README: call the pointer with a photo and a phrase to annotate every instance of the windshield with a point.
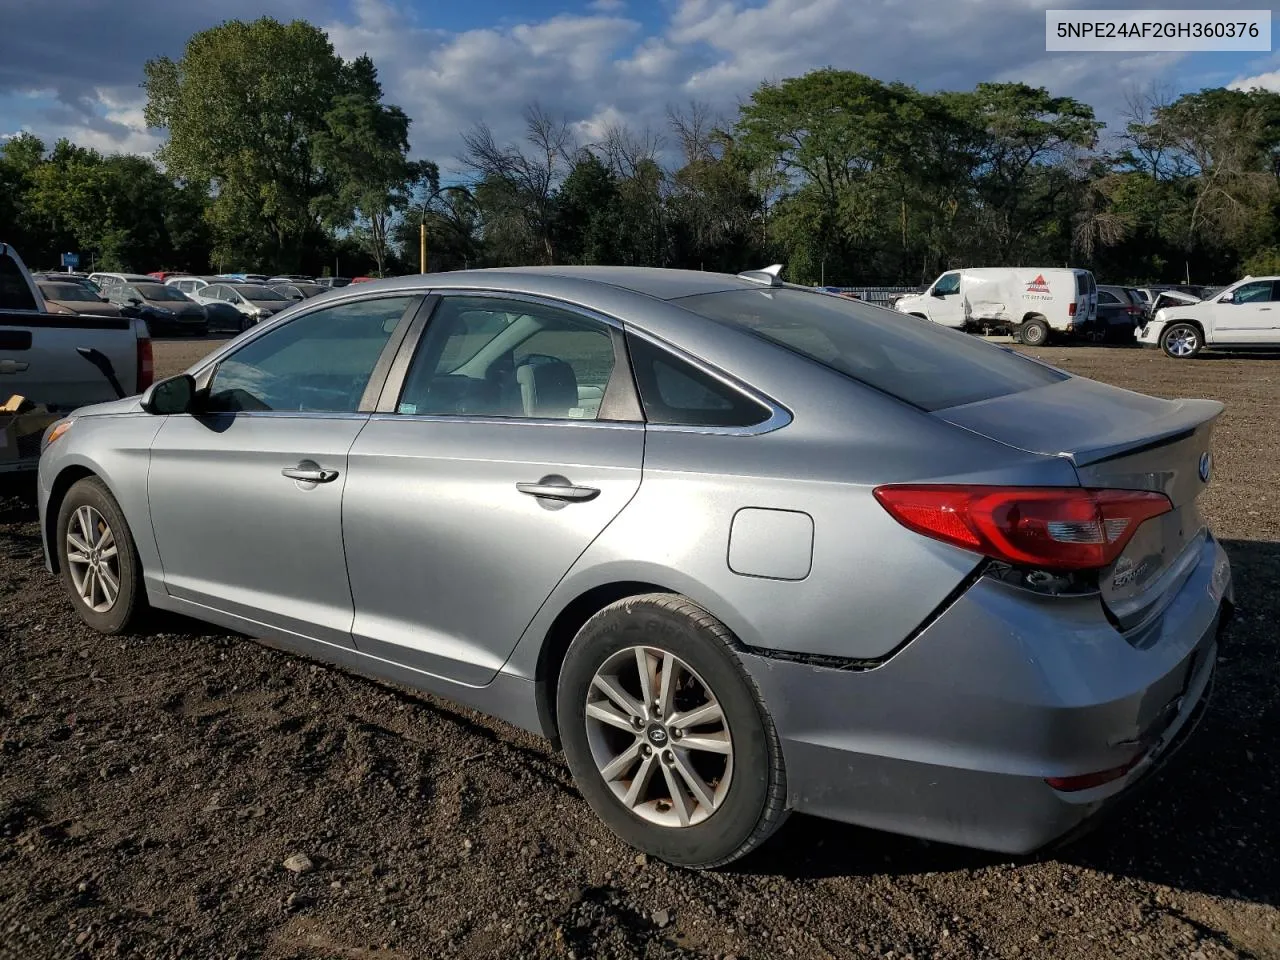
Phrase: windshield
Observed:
(68, 292)
(159, 292)
(914, 360)
(251, 291)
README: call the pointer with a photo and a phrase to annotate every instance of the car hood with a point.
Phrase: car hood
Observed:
(109, 408)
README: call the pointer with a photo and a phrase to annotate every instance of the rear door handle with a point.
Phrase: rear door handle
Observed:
(13, 366)
(559, 491)
(310, 473)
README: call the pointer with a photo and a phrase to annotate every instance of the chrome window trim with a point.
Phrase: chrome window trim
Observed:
(530, 421)
(779, 416)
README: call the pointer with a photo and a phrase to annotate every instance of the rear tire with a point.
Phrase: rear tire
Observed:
(1181, 341)
(732, 784)
(1034, 332)
(99, 562)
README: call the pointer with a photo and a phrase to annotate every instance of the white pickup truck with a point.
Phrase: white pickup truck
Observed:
(59, 361)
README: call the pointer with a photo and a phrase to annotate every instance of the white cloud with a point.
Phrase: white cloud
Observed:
(595, 67)
(1263, 81)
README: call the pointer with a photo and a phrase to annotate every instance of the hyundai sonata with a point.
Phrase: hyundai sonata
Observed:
(738, 547)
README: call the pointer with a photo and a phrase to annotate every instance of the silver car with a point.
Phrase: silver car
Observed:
(738, 547)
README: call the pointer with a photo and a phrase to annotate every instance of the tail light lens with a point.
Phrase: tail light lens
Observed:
(1053, 528)
(146, 364)
(1071, 310)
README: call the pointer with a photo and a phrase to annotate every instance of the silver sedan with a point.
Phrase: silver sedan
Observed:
(738, 547)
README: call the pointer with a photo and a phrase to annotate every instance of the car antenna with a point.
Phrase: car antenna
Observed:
(769, 276)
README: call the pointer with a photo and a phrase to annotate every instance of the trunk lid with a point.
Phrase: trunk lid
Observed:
(1118, 439)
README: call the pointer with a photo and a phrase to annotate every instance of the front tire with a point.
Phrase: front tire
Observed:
(99, 562)
(666, 735)
(1181, 341)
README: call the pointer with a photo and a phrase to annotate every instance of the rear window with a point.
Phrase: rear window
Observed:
(15, 293)
(914, 360)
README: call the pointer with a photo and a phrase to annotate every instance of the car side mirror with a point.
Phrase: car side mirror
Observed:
(937, 293)
(174, 395)
(135, 301)
(1229, 298)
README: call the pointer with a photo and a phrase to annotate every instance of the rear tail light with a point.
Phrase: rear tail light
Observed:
(1071, 310)
(1134, 311)
(1053, 528)
(146, 364)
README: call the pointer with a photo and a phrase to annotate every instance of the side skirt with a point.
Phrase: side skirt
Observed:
(505, 697)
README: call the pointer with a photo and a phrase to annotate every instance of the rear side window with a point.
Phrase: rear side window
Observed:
(675, 392)
(1105, 297)
(915, 360)
(15, 293)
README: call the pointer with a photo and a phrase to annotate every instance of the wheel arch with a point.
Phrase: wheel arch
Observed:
(560, 634)
(67, 477)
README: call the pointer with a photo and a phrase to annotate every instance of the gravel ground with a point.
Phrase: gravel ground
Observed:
(155, 792)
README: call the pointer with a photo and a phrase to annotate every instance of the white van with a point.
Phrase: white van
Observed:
(1033, 303)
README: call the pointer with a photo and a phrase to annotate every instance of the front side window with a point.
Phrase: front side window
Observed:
(1257, 292)
(493, 357)
(947, 284)
(321, 362)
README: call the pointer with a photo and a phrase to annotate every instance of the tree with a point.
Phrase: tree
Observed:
(364, 148)
(517, 184)
(245, 108)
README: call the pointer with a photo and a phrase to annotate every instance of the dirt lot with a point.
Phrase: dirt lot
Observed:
(152, 787)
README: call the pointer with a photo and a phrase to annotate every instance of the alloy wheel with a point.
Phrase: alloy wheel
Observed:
(659, 737)
(93, 559)
(1182, 343)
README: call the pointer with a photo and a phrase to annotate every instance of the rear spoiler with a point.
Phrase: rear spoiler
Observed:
(1184, 419)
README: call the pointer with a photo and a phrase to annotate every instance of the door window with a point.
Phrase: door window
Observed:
(947, 284)
(493, 357)
(1257, 292)
(1105, 297)
(318, 362)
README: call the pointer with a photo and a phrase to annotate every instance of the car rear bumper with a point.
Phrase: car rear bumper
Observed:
(952, 739)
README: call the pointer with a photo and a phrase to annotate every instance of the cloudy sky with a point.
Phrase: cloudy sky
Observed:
(72, 68)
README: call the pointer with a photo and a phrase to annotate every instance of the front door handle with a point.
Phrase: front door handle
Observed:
(558, 491)
(309, 472)
(13, 366)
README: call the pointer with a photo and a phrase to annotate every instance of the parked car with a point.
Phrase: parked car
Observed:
(76, 278)
(1117, 317)
(290, 278)
(1244, 316)
(256, 301)
(1151, 292)
(57, 364)
(244, 277)
(333, 281)
(224, 317)
(738, 547)
(164, 308)
(105, 281)
(363, 279)
(75, 298)
(1032, 303)
(298, 290)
